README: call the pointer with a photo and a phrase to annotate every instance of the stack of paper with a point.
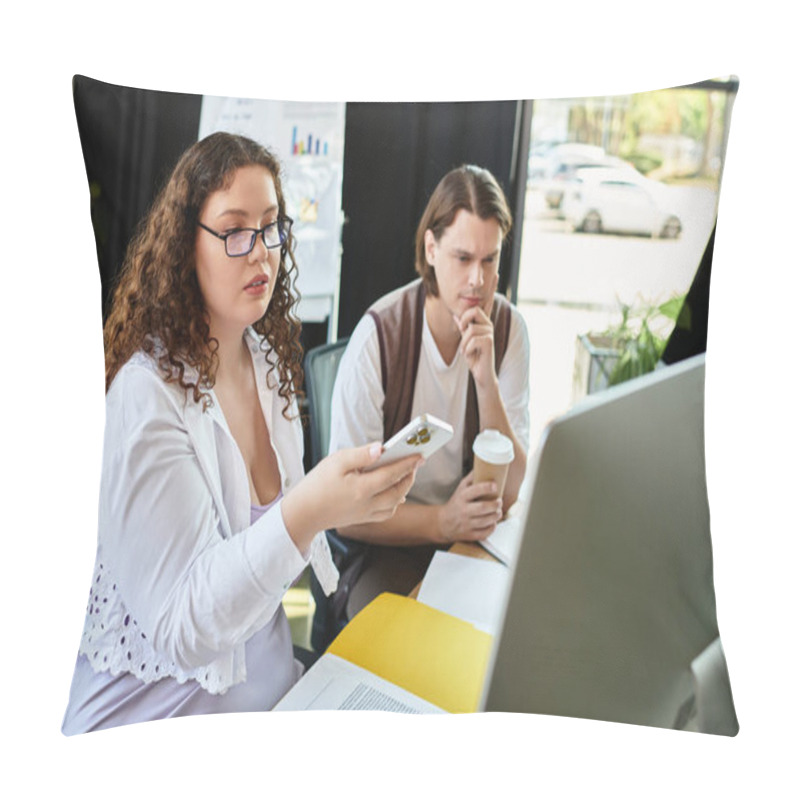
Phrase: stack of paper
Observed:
(471, 589)
(504, 541)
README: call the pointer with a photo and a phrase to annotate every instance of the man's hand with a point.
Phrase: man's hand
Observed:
(472, 512)
(477, 339)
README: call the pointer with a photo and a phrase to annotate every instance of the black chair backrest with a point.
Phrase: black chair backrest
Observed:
(321, 365)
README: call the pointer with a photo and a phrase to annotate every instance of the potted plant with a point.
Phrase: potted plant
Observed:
(629, 348)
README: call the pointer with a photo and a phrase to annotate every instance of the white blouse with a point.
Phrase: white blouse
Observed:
(182, 578)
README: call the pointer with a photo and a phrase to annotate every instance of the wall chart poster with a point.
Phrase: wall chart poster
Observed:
(308, 139)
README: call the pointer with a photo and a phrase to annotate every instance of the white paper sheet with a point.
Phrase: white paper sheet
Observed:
(335, 684)
(504, 541)
(468, 588)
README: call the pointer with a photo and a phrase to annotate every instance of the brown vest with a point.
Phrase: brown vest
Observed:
(399, 327)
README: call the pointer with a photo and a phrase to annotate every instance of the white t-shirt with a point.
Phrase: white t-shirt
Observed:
(440, 389)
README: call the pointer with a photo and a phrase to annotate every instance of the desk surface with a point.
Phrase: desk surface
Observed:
(472, 549)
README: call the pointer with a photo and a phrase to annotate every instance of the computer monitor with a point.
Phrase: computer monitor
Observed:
(611, 611)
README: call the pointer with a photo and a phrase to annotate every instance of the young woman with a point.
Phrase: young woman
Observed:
(205, 517)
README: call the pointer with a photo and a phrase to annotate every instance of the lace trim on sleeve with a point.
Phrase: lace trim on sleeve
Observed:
(113, 641)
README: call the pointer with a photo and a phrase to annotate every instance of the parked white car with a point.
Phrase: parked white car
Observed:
(618, 201)
(561, 162)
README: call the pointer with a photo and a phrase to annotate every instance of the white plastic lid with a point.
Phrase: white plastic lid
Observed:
(493, 447)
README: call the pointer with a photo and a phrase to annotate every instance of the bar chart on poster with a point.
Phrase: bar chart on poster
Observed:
(308, 139)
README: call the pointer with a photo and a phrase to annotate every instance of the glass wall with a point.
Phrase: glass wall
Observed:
(621, 200)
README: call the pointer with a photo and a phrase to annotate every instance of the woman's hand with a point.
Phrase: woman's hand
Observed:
(338, 493)
(471, 513)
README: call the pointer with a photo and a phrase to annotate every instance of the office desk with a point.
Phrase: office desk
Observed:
(472, 549)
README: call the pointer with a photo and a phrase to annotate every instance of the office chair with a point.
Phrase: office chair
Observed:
(321, 365)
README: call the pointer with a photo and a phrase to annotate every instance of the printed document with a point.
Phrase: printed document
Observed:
(336, 684)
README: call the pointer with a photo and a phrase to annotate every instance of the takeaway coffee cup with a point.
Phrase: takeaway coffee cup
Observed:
(492, 452)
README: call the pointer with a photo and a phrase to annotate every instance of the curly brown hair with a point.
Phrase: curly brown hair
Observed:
(157, 306)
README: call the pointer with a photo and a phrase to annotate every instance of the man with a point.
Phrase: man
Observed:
(447, 345)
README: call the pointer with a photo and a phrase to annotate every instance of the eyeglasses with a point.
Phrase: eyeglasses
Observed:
(242, 241)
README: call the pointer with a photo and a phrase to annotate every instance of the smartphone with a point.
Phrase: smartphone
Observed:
(424, 435)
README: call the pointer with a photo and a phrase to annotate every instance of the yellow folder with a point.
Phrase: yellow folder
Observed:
(433, 655)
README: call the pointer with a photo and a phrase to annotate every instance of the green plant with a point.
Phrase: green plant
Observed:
(638, 337)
